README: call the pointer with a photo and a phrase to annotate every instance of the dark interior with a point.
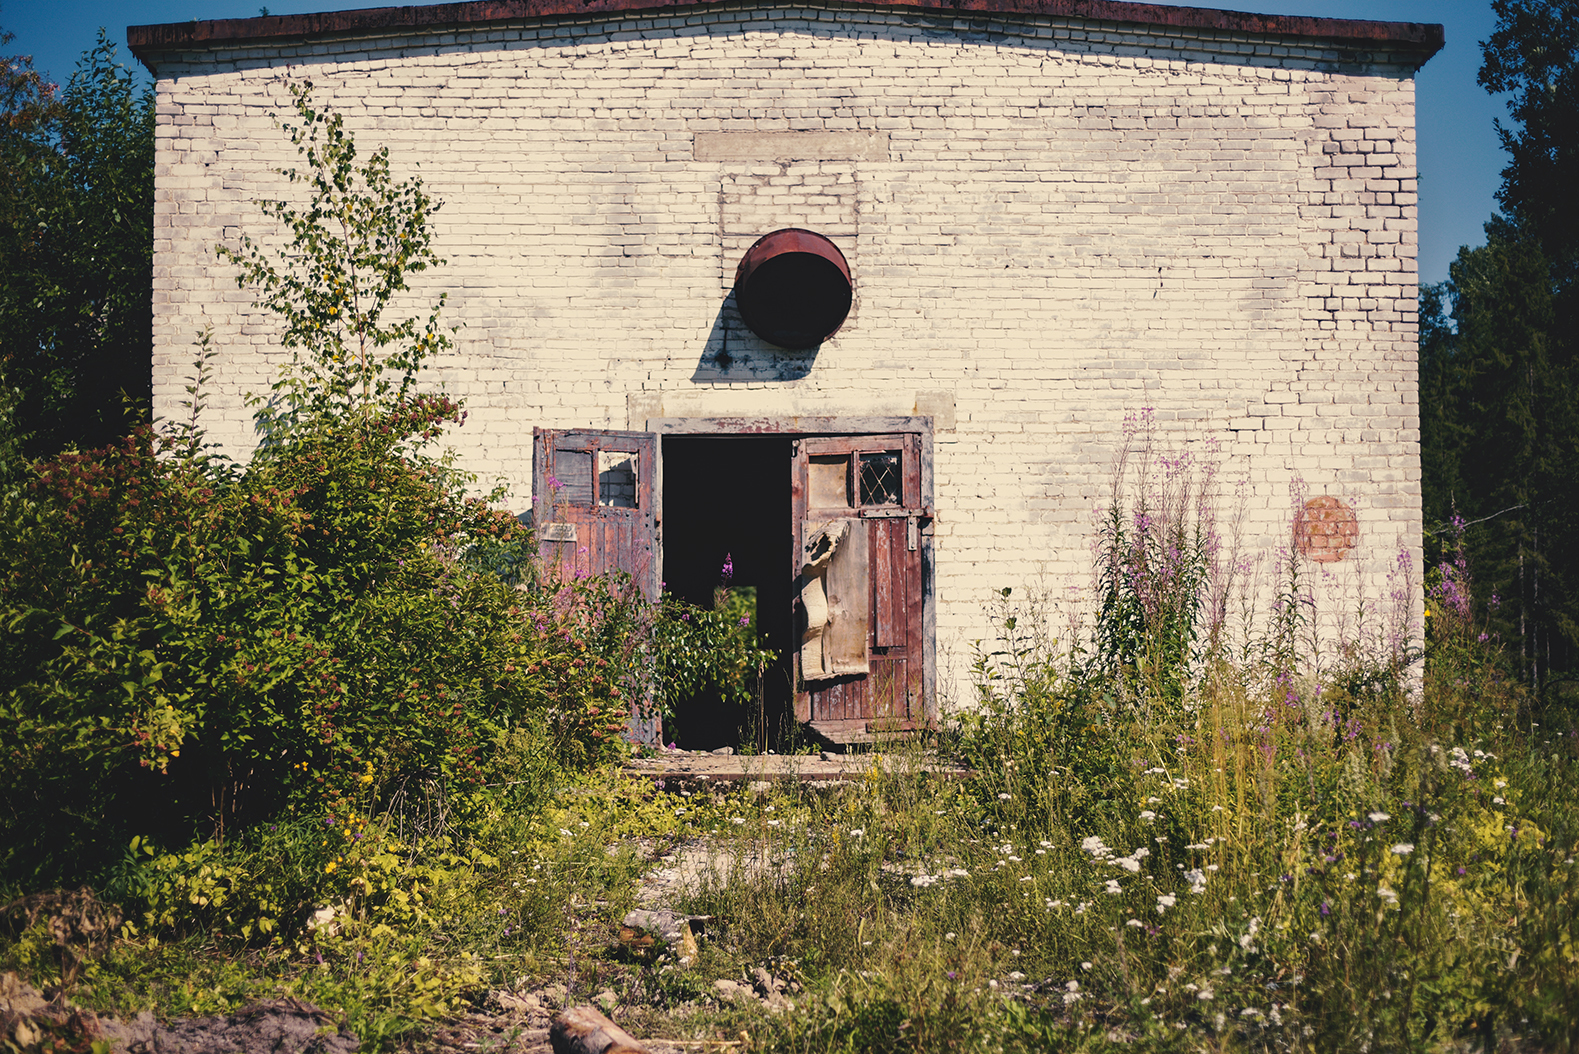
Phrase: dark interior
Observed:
(795, 300)
(730, 496)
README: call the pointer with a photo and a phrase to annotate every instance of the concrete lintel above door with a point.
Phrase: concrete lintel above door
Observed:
(789, 425)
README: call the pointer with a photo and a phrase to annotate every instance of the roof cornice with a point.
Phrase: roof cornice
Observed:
(1418, 40)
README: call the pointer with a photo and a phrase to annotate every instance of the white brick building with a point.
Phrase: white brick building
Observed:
(1054, 213)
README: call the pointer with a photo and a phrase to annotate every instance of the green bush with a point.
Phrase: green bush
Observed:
(193, 648)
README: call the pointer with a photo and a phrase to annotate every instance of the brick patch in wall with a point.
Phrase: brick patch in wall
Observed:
(1326, 529)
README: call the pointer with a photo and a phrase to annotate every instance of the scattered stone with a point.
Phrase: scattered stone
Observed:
(326, 920)
(18, 997)
(509, 1002)
(766, 985)
(732, 991)
(658, 921)
(724, 752)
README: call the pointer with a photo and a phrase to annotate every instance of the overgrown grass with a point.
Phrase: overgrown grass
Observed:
(1176, 834)
(1181, 837)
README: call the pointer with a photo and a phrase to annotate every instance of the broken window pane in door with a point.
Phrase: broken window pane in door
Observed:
(881, 483)
(829, 481)
(616, 479)
(573, 472)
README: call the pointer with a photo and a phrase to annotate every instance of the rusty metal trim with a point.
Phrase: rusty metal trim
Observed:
(1421, 39)
(790, 240)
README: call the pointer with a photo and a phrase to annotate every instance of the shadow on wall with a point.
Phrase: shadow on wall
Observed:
(735, 355)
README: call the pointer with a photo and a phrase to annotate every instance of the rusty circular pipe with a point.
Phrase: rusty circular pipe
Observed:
(793, 288)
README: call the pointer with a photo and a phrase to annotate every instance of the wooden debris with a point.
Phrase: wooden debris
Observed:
(585, 1030)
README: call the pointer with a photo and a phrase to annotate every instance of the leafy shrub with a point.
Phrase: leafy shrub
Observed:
(193, 648)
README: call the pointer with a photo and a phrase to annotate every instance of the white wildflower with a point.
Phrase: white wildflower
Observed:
(1135, 922)
(1147, 815)
(1165, 901)
(1379, 817)
(1404, 848)
(1113, 886)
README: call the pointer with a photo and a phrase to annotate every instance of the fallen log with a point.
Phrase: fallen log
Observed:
(585, 1030)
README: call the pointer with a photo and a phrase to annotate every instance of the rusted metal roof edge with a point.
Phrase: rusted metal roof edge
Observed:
(1421, 40)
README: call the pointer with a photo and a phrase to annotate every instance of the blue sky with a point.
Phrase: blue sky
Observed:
(1460, 157)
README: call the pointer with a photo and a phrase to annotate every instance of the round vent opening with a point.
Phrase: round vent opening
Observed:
(793, 288)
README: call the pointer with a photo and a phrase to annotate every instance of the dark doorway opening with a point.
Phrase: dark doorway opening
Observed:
(729, 496)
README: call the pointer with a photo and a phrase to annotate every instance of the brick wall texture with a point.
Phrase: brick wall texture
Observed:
(1052, 224)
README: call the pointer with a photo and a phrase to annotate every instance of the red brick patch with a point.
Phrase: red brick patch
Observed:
(1326, 529)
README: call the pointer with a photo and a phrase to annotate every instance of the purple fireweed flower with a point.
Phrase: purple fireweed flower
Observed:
(745, 620)
(554, 483)
(727, 573)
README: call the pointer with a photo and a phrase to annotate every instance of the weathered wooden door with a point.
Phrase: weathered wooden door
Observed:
(595, 506)
(858, 574)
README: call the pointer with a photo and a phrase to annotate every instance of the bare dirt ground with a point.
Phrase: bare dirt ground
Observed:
(509, 1021)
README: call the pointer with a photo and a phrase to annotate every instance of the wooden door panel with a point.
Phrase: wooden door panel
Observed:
(874, 482)
(595, 507)
(590, 521)
(889, 584)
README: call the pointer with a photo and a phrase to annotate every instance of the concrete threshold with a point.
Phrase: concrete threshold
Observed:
(685, 765)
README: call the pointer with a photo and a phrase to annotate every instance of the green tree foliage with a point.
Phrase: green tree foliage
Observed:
(1499, 402)
(352, 250)
(1534, 55)
(188, 647)
(76, 252)
(1499, 442)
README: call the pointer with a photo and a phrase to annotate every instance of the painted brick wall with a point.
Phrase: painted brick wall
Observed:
(1052, 224)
